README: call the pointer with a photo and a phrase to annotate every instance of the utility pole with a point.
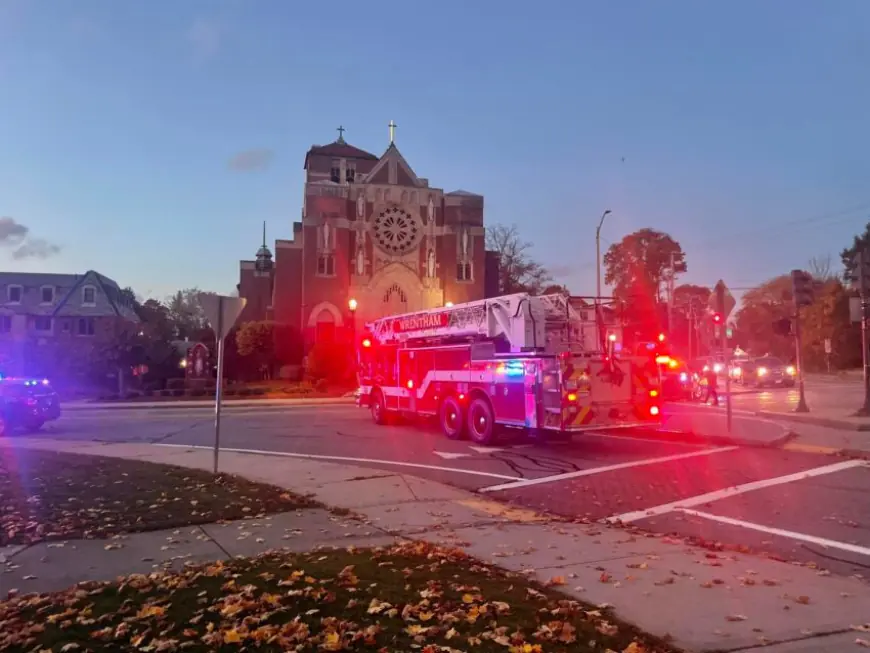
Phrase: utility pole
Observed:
(598, 321)
(862, 275)
(671, 275)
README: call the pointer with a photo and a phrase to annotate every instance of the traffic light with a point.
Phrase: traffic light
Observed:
(802, 286)
(782, 327)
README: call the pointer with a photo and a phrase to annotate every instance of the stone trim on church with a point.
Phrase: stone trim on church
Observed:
(372, 231)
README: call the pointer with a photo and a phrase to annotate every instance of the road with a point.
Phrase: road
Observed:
(828, 395)
(790, 504)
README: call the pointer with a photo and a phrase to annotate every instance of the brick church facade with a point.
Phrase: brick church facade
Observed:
(374, 232)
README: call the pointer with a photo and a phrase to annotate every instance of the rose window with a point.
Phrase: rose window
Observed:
(395, 231)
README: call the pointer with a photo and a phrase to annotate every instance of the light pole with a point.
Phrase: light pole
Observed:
(352, 305)
(598, 320)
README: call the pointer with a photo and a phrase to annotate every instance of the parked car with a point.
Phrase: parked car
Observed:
(676, 378)
(27, 404)
(738, 370)
(769, 371)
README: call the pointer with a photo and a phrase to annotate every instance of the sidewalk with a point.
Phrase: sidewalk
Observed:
(704, 601)
(205, 403)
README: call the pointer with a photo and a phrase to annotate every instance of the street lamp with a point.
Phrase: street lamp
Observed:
(598, 254)
(352, 304)
(448, 305)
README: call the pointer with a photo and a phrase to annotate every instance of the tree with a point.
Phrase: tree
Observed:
(556, 289)
(636, 264)
(760, 308)
(828, 319)
(820, 268)
(186, 313)
(256, 340)
(517, 271)
(859, 243)
(634, 268)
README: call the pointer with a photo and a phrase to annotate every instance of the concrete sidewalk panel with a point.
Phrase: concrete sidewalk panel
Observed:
(427, 490)
(823, 644)
(377, 491)
(48, 566)
(296, 531)
(779, 601)
(420, 517)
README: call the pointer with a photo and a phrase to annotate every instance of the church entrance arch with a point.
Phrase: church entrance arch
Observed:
(394, 289)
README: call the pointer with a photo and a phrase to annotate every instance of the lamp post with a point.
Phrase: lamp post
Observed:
(352, 305)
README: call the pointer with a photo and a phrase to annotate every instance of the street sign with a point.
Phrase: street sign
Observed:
(222, 313)
(728, 301)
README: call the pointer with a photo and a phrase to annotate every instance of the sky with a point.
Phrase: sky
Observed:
(150, 140)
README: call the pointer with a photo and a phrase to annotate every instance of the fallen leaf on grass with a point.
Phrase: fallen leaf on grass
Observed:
(736, 617)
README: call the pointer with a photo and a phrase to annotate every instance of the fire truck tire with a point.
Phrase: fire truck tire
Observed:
(452, 419)
(378, 407)
(481, 421)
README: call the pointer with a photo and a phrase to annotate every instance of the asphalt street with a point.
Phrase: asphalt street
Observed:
(830, 396)
(790, 504)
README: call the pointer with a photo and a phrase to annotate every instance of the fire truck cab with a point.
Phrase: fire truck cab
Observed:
(511, 361)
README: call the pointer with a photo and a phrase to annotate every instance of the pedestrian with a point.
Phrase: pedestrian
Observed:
(712, 390)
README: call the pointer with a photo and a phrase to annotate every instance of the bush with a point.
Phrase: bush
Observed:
(230, 392)
(166, 393)
(176, 384)
(321, 385)
(132, 395)
(197, 392)
(177, 393)
(244, 392)
(330, 361)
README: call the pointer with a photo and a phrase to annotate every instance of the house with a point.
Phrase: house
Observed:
(46, 316)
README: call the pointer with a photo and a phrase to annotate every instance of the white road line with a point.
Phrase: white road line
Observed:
(309, 456)
(601, 470)
(802, 537)
(725, 493)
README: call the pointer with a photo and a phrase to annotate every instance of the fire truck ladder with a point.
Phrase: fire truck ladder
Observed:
(526, 323)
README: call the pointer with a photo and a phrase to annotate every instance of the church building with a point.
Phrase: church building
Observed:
(375, 239)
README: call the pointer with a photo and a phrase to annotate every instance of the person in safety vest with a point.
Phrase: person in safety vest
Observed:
(712, 391)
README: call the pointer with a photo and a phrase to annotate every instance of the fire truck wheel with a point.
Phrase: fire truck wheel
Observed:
(481, 421)
(378, 407)
(452, 419)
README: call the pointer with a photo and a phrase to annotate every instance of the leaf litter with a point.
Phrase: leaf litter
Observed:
(49, 495)
(413, 596)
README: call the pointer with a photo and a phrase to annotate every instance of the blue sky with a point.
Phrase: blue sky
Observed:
(740, 128)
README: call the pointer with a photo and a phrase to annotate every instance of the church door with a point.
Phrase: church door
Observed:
(395, 300)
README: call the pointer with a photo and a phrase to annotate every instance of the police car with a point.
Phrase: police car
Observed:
(26, 404)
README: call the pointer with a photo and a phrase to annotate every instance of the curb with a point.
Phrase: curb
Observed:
(241, 403)
(691, 437)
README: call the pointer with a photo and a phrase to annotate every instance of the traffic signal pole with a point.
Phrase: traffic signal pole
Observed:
(802, 291)
(726, 352)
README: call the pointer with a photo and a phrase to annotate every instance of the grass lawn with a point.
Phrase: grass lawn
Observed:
(50, 495)
(411, 597)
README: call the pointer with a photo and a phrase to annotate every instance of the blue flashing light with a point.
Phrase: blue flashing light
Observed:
(515, 368)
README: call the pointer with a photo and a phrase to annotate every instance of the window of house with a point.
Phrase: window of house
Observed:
(326, 265)
(13, 294)
(350, 173)
(335, 171)
(65, 326)
(86, 326)
(5, 323)
(463, 271)
(42, 324)
(89, 295)
(47, 294)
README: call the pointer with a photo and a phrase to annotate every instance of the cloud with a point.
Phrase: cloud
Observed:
(256, 159)
(560, 271)
(36, 248)
(205, 38)
(14, 234)
(11, 232)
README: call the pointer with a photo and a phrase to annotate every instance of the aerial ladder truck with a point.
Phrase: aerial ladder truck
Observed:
(516, 361)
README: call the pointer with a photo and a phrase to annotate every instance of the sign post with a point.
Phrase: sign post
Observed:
(724, 304)
(222, 313)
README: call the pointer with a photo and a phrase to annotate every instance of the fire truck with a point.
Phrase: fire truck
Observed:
(513, 361)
